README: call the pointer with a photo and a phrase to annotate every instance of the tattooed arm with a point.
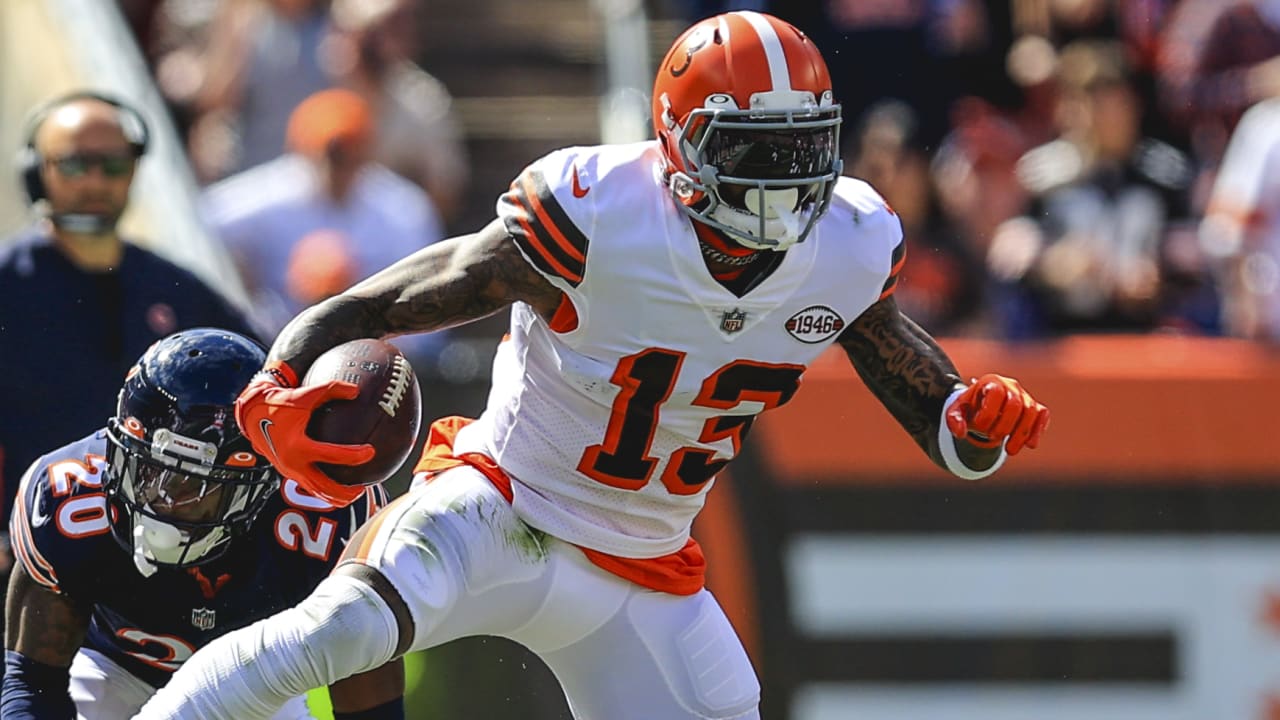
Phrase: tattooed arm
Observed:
(43, 632)
(911, 376)
(449, 283)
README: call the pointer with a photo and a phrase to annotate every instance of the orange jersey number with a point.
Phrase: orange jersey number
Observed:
(646, 380)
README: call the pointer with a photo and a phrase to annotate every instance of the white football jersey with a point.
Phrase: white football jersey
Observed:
(613, 419)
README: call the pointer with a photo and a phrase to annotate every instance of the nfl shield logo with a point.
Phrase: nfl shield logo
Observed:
(203, 618)
(732, 320)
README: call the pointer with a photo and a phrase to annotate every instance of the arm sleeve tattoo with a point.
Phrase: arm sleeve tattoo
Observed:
(449, 283)
(910, 374)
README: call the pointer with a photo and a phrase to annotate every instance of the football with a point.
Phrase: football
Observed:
(386, 414)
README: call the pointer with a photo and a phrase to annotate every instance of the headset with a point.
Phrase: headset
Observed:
(132, 123)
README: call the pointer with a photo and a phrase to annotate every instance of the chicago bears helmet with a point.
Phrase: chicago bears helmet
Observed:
(182, 481)
(743, 109)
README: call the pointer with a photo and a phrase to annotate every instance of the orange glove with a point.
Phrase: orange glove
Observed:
(273, 414)
(995, 408)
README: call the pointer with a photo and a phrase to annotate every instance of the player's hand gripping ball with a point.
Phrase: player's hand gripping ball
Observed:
(995, 410)
(385, 413)
(352, 422)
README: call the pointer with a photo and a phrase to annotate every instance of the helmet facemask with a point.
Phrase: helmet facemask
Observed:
(765, 176)
(175, 505)
(182, 482)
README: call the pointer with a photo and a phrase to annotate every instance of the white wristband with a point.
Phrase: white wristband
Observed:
(947, 446)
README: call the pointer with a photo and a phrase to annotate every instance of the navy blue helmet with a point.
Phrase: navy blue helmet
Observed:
(182, 480)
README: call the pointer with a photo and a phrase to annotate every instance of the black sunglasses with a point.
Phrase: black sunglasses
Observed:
(114, 165)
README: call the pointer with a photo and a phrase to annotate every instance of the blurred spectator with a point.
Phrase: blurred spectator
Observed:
(78, 303)
(1032, 65)
(262, 59)
(1064, 21)
(1136, 24)
(976, 188)
(1242, 226)
(920, 52)
(370, 52)
(694, 10)
(320, 266)
(1088, 256)
(973, 172)
(175, 45)
(322, 216)
(140, 16)
(941, 283)
(1178, 49)
(1219, 57)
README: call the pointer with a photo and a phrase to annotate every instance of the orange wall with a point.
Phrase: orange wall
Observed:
(1151, 408)
(1141, 409)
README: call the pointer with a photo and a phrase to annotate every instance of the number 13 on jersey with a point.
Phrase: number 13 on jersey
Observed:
(646, 380)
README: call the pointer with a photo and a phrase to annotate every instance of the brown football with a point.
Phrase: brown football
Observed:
(386, 414)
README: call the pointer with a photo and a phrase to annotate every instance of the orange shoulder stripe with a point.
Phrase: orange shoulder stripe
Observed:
(533, 246)
(537, 222)
(898, 259)
(539, 202)
(24, 548)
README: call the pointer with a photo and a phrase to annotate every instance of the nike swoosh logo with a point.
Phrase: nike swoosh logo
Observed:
(578, 190)
(265, 427)
(38, 516)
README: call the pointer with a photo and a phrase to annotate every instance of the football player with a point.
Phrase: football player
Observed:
(144, 541)
(662, 294)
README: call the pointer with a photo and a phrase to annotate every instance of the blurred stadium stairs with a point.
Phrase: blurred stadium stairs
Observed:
(526, 79)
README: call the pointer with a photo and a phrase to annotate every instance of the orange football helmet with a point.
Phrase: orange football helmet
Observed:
(743, 109)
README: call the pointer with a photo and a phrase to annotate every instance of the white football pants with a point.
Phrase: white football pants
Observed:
(467, 565)
(102, 690)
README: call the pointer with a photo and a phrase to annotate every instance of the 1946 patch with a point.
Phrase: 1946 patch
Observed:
(814, 324)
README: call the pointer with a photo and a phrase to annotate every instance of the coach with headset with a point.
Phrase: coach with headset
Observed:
(78, 303)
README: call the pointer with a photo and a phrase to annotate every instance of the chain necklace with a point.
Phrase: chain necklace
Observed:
(715, 255)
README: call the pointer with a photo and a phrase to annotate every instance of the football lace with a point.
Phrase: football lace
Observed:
(394, 394)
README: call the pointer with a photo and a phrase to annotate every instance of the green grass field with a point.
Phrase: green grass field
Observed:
(415, 670)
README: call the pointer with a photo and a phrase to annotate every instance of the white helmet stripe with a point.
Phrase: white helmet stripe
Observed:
(779, 74)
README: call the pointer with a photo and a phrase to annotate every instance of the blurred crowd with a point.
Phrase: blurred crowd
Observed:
(324, 150)
(1066, 166)
(1060, 166)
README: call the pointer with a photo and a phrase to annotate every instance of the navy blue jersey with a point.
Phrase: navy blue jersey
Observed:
(150, 625)
(67, 338)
